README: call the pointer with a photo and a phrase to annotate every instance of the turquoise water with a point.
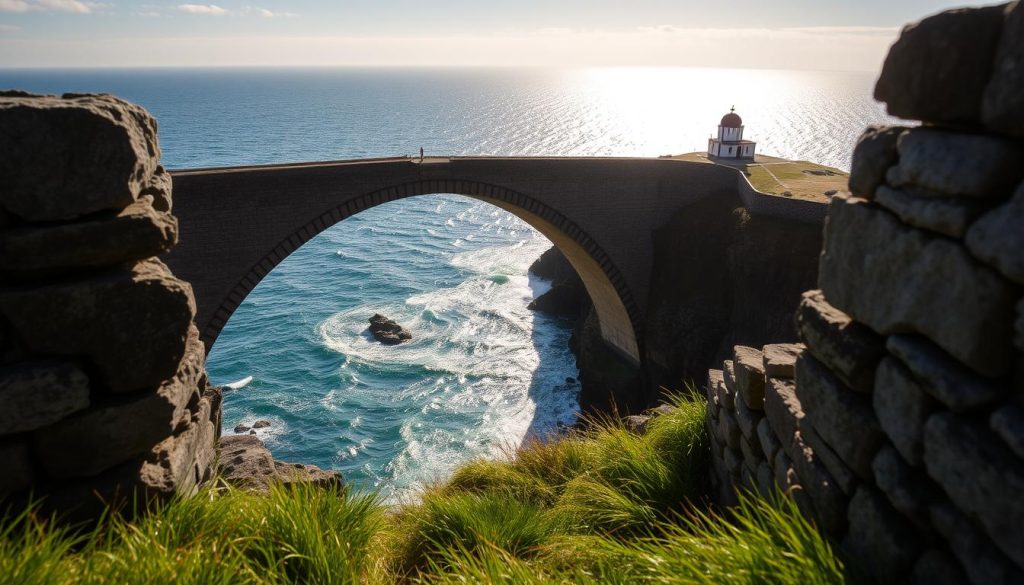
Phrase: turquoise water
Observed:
(482, 373)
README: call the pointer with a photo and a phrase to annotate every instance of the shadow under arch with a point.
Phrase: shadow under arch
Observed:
(618, 314)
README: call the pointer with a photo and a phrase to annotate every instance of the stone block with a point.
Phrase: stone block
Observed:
(1008, 423)
(843, 418)
(903, 407)
(780, 359)
(943, 377)
(748, 419)
(874, 154)
(748, 364)
(70, 156)
(140, 316)
(180, 463)
(98, 439)
(1002, 106)
(714, 379)
(882, 542)
(850, 349)
(840, 472)
(134, 233)
(945, 163)
(958, 47)
(980, 475)
(789, 483)
(159, 188)
(765, 480)
(828, 499)
(15, 466)
(984, 564)
(997, 238)
(907, 489)
(948, 216)
(935, 567)
(733, 459)
(869, 255)
(36, 394)
(770, 444)
(751, 452)
(729, 429)
(637, 423)
(782, 408)
(727, 392)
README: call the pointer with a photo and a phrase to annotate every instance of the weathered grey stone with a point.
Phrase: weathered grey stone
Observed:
(782, 408)
(843, 418)
(656, 411)
(958, 47)
(159, 188)
(980, 475)
(765, 480)
(874, 154)
(949, 216)
(748, 479)
(134, 233)
(850, 349)
(789, 483)
(35, 394)
(903, 407)
(710, 389)
(15, 466)
(751, 454)
(885, 545)
(244, 461)
(728, 429)
(968, 308)
(907, 489)
(635, 423)
(780, 359)
(733, 461)
(139, 316)
(935, 567)
(828, 499)
(1008, 423)
(66, 157)
(180, 463)
(1002, 108)
(945, 379)
(770, 444)
(984, 564)
(108, 434)
(997, 238)
(748, 364)
(840, 472)
(957, 164)
(727, 392)
(747, 419)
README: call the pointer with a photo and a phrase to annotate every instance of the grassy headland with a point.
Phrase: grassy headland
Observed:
(598, 506)
(798, 179)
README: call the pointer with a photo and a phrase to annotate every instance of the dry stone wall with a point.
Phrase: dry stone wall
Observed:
(103, 391)
(898, 424)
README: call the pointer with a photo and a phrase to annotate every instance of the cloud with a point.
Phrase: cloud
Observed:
(268, 13)
(75, 6)
(202, 9)
(6, 28)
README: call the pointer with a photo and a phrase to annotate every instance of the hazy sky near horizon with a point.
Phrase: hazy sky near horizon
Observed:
(846, 35)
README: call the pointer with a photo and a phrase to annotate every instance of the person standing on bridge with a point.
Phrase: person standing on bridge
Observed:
(421, 154)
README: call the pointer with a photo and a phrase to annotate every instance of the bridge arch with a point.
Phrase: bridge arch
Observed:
(619, 316)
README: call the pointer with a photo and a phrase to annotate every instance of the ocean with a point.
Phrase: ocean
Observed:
(482, 373)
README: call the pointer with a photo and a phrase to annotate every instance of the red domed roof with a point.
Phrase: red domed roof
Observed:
(732, 120)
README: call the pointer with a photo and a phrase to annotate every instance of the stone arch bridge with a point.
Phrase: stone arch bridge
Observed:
(238, 223)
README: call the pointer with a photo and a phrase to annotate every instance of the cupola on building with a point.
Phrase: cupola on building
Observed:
(730, 143)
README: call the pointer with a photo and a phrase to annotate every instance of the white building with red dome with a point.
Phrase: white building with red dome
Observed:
(730, 143)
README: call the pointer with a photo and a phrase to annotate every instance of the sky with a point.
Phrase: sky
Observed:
(839, 35)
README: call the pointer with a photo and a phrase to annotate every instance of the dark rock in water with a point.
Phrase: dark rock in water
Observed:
(570, 380)
(260, 424)
(252, 432)
(567, 295)
(245, 462)
(241, 428)
(387, 331)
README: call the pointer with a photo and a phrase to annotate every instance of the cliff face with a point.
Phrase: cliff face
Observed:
(723, 277)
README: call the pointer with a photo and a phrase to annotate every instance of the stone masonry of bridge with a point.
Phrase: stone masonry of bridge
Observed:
(238, 223)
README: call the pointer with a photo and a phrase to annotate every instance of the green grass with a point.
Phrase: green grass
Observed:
(597, 506)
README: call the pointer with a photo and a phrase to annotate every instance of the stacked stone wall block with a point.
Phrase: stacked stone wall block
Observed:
(104, 397)
(902, 414)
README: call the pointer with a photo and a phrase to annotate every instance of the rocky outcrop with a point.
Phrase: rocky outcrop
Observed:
(104, 399)
(387, 331)
(246, 462)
